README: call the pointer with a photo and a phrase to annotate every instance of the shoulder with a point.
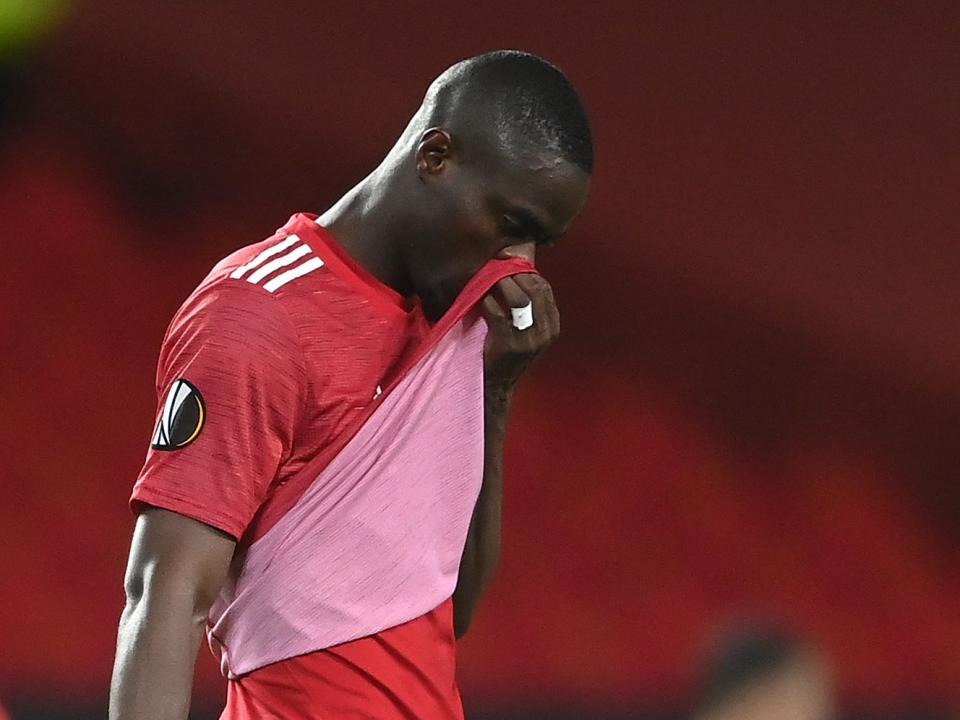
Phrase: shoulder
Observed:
(270, 293)
(253, 286)
(221, 306)
(276, 265)
(232, 335)
(232, 321)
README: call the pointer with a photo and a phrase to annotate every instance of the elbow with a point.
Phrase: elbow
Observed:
(149, 591)
(134, 587)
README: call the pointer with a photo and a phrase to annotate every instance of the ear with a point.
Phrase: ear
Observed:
(433, 151)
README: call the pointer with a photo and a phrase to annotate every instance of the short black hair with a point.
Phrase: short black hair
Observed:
(531, 100)
(743, 655)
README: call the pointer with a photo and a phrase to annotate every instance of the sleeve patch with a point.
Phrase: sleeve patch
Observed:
(182, 417)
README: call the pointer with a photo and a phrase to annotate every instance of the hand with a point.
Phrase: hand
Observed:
(508, 351)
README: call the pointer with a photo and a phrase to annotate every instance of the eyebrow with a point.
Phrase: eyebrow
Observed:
(530, 222)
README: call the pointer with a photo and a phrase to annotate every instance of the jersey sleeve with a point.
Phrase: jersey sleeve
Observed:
(230, 384)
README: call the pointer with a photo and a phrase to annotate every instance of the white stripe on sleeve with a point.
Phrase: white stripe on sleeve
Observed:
(279, 262)
(268, 253)
(299, 271)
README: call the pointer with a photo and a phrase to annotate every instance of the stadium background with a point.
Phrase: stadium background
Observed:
(754, 409)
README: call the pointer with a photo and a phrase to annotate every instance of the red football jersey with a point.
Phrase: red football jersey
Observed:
(280, 348)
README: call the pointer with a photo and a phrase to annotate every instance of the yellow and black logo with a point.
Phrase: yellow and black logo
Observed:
(182, 417)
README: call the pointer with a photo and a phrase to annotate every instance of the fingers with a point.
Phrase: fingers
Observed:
(545, 310)
(511, 294)
(518, 291)
(493, 311)
(509, 351)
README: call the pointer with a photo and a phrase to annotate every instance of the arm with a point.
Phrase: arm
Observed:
(240, 352)
(174, 574)
(507, 355)
(482, 550)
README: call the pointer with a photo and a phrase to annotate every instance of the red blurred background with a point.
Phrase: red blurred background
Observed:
(754, 409)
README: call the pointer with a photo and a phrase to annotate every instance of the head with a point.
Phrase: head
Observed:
(497, 161)
(755, 673)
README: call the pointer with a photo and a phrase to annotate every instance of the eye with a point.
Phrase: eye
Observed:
(524, 229)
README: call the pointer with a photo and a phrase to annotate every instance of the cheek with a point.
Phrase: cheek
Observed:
(474, 237)
(468, 234)
(473, 250)
(482, 241)
(477, 218)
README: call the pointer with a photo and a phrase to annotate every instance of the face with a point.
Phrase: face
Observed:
(487, 206)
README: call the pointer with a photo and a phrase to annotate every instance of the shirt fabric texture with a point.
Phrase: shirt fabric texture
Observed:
(340, 442)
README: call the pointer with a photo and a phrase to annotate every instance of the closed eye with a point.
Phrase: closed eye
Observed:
(526, 227)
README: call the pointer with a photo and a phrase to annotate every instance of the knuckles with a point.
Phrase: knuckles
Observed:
(532, 283)
(520, 347)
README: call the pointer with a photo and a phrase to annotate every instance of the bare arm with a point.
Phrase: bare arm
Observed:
(482, 551)
(508, 354)
(174, 573)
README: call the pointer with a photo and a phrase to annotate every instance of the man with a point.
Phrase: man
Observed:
(763, 673)
(324, 483)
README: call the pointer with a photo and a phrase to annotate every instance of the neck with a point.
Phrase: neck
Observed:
(368, 222)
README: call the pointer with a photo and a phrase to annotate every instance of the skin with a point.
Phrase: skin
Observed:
(444, 201)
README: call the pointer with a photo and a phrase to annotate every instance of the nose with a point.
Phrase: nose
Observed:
(525, 250)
